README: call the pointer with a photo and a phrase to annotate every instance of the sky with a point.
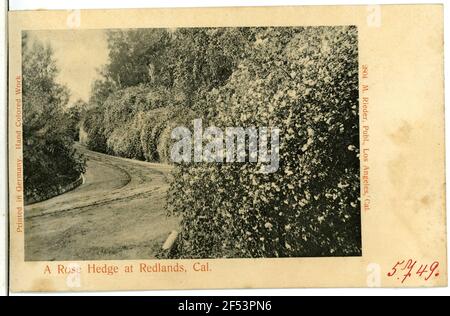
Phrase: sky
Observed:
(78, 55)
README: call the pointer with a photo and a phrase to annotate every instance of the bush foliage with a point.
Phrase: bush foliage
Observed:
(302, 80)
(305, 82)
(156, 79)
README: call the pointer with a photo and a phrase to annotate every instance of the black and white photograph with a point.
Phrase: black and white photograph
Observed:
(182, 143)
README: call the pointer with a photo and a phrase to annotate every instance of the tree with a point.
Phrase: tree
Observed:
(50, 161)
(74, 114)
(152, 69)
(136, 56)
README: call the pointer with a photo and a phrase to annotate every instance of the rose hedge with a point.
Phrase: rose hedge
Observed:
(305, 82)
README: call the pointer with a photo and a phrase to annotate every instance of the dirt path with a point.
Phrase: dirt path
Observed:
(117, 213)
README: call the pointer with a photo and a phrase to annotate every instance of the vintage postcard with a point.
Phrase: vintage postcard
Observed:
(268, 147)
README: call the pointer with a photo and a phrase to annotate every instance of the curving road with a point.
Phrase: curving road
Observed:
(117, 213)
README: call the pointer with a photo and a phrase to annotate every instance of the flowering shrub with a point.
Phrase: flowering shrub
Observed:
(303, 81)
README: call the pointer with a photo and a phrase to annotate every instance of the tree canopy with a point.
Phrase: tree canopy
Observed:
(50, 161)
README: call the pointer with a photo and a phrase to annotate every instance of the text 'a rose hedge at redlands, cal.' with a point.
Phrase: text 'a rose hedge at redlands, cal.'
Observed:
(303, 81)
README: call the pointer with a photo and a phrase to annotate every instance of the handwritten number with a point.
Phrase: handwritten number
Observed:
(410, 267)
(433, 268)
(394, 269)
(422, 269)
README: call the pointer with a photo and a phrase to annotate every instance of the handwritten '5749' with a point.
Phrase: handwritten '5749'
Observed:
(407, 269)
